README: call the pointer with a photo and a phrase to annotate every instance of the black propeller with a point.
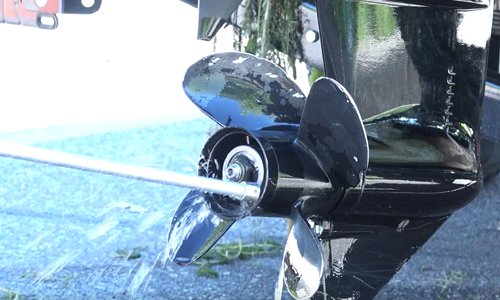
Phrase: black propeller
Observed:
(241, 90)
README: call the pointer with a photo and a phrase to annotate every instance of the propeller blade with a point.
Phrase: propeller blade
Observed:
(194, 229)
(303, 259)
(241, 90)
(331, 128)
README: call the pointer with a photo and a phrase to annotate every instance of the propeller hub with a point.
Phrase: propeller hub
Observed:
(235, 155)
(243, 164)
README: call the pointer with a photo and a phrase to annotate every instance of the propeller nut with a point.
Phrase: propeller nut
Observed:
(244, 164)
(234, 172)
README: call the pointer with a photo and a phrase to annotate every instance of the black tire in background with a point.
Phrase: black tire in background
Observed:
(490, 157)
(490, 131)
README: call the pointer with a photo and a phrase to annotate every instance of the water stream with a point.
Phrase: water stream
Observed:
(76, 235)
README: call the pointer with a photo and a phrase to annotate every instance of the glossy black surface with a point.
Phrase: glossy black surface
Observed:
(299, 176)
(332, 130)
(291, 173)
(240, 90)
(211, 162)
(363, 254)
(412, 193)
(417, 75)
(405, 137)
(387, 57)
(310, 159)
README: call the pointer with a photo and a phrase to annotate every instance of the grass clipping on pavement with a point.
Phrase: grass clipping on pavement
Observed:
(224, 253)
